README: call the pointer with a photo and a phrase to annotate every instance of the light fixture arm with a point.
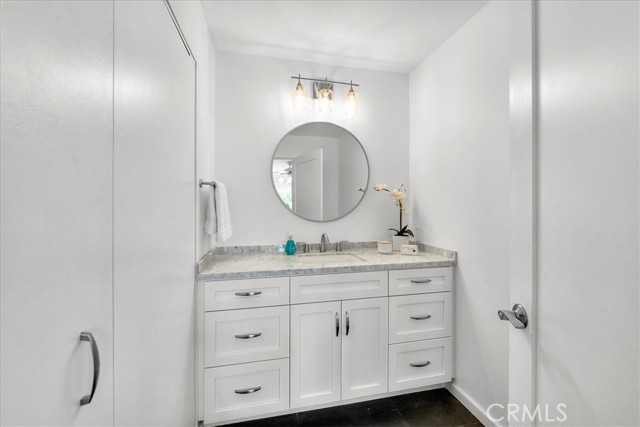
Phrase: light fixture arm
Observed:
(324, 81)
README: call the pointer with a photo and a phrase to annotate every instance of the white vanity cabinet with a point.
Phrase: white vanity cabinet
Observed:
(274, 345)
(338, 350)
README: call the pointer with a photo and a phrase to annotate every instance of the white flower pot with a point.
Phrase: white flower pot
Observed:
(398, 241)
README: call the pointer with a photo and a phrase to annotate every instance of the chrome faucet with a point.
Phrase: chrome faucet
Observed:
(323, 242)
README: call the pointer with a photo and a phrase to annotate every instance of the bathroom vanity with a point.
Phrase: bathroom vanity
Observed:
(280, 334)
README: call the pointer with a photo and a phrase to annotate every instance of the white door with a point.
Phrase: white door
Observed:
(56, 211)
(365, 349)
(522, 345)
(315, 353)
(154, 225)
(307, 185)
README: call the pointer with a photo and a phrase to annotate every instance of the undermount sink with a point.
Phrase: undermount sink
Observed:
(324, 257)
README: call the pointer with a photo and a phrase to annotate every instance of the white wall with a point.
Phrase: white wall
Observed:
(254, 111)
(588, 213)
(196, 30)
(460, 179)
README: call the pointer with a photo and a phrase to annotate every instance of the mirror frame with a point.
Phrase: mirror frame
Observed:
(273, 184)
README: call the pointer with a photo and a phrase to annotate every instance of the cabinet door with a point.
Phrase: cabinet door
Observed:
(364, 347)
(56, 63)
(315, 353)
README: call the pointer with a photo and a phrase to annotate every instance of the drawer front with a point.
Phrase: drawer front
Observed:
(241, 336)
(419, 364)
(246, 390)
(420, 281)
(420, 317)
(233, 294)
(334, 287)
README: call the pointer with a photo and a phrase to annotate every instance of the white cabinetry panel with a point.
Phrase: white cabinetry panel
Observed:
(420, 363)
(315, 353)
(331, 287)
(246, 293)
(240, 336)
(420, 280)
(419, 317)
(245, 390)
(364, 348)
(56, 152)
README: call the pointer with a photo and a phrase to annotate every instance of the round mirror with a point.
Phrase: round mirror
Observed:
(320, 171)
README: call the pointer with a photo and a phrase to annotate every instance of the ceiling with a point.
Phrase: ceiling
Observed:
(381, 35)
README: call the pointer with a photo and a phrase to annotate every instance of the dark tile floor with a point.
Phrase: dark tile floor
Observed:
(427, 408)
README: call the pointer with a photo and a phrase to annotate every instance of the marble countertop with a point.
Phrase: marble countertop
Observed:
(265, 261)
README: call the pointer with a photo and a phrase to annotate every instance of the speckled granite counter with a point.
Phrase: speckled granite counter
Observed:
(242, 262)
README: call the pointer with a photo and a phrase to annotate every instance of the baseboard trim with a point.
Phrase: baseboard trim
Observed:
(473, 407)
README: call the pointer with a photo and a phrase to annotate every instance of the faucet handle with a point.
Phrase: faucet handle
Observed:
(303, 246)
(340, 244)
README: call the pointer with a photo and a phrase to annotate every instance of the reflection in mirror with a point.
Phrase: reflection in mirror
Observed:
(320, 171)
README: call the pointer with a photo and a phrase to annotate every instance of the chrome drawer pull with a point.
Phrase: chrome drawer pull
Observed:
(248, 336)
(421, 281)
(425, 317)
(248, 294)
(248, 390)
(337, 324)
(420, 365)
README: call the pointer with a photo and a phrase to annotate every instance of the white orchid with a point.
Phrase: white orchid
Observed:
(399, 197)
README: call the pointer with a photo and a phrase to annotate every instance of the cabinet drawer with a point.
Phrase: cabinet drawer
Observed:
(232, 294)
(334, 287)
(419, 364)
(420, 280)
(419, 317)
(241, 336)
(245, 390)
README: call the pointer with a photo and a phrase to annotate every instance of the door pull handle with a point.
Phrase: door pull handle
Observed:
(337, 324)
(346, 314)
(248, 294)
(249, 336)
(95, 354)
(248, 390)
(421, 364)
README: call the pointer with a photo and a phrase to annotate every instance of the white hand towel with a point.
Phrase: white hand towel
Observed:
(218, 222)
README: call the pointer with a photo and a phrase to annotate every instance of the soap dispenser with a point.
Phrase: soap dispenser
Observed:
(290, 247)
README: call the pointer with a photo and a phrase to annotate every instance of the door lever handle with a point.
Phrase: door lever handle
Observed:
(517, 316)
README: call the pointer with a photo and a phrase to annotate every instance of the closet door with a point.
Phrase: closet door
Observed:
(154, 218)
(55, 210)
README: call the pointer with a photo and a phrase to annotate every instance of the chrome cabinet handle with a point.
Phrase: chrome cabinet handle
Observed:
(95, 354)
(346, 313)
(420, 365)
(425, 317)
(248, 390)
(421, 281)
(248, 294)
(248, 336)
(337, 324)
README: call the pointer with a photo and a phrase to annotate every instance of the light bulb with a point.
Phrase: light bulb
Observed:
(299, 97)
(325, 98)
(351, 102)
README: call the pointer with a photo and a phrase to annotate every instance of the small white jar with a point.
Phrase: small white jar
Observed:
(385, 246)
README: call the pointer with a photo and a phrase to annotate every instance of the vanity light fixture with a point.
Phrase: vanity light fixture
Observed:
(323, 93)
